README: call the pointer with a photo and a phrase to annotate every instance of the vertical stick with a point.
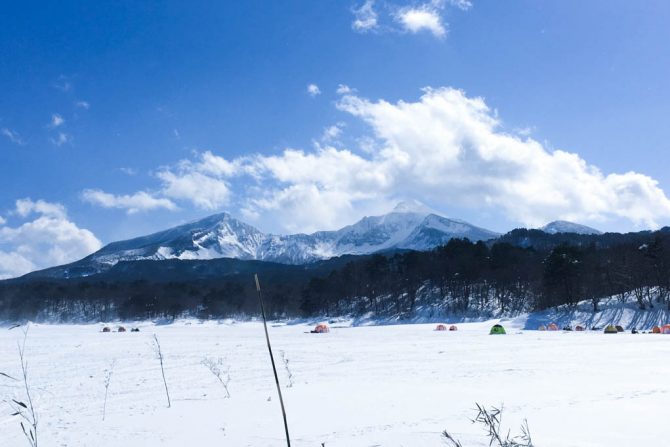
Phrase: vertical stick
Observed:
(160, 357)
(274, 369)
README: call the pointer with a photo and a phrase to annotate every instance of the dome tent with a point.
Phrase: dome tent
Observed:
(610, 329)
(453, 327)
(542, 328)
(665, 329)
(620, 328)
(656, 330)
(579, 328)
(440, 327)
(321, 329)
(552, 327)
(497, 329)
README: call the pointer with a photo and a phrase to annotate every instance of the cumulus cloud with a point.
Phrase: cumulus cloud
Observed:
(365, 17)
(133, 203)
(13, 136)
(461, 4)
(313, 90)
(60, 139)
(46, 237)
(444, 148)
(56, 120)
(424, 17)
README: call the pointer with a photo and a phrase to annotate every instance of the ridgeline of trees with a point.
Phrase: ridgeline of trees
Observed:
(523, 270)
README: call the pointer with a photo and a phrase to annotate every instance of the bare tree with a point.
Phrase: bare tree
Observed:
(216, 368)
(159, 355)
(108, 379)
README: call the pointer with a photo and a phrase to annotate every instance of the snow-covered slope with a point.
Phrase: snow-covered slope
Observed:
(562, 226)
(408, 226)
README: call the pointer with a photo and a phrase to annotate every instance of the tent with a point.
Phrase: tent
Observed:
(121, 329)
(619, 328)
(321, 329)
(542, 328)
(665, 329)
(656, 330)
(106, 329)
(611, 329)
(453, 327)
(440, 327)
(567, 328)
(579, 328)
(497, 330)
(552, 327)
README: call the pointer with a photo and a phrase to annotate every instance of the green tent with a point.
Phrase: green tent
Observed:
(611, 329)
(497, 330)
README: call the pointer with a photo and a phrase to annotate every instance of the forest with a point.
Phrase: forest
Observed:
(521, 271)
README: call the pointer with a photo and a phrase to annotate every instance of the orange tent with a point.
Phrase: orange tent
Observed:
(579, 328)
(453, 327)
(440, 327)
(552, 327)
(321, 329)
(666, 329)
(656, 330)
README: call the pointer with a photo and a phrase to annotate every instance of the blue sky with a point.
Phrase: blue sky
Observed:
(122, 118)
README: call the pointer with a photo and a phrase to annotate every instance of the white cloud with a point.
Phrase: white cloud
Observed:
(445, 148)
(313, 90)
(82, 105)
(365, 17)
(332, 133)
(425, 17)
(461, 4)
(128, 171)
(56, 120)
(13, 136)
(2, 220)
(139, 201)
(63, 84)
(343, 89)
(46, 238)
(60, 139)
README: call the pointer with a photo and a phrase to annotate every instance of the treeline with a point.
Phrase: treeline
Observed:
(460, 277)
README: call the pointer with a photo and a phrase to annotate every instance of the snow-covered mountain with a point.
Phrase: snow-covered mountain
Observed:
(563, 226)
(409, 226)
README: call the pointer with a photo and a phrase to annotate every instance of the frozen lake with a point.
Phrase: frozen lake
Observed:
(363, 386)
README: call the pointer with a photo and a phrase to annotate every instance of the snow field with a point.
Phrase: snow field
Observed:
(356, 386)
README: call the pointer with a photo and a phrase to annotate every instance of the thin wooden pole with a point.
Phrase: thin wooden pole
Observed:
(274, 368)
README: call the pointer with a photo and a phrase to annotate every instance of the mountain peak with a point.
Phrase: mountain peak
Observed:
(563, 226)
(412, 206)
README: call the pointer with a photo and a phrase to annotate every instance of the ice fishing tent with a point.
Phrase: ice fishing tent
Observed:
(665, 329)
(453, 327)
(579, 328)
(106, 329)
(440, 327)
(610, 329)
(552, 327)
(497, 330)
(321, 329)
(542, 328)
(656, 330)
(619, 328)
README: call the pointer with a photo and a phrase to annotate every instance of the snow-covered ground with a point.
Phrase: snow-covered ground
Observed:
(356, 386)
